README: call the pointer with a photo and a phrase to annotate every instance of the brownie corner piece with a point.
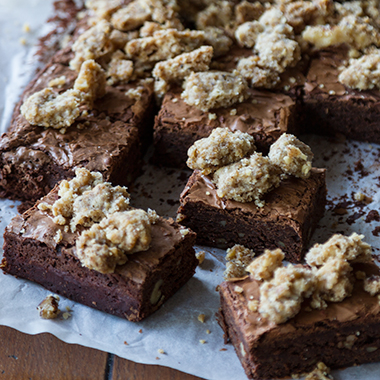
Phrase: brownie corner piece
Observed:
(134, 291)
(344, 334)
(265, 115)
(287, 220)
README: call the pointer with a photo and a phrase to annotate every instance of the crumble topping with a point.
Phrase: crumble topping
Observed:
(281, 296)
(221, 148)
(362, 73)
(131, 16)
(57, 82)
(180, 67)
(263, 267)
(349, 248)
(247, 180)
(372, 285)
(247, 33)
(108, 243)
(47, 108)
(94, 43)
(120, 69)
(292, 155)
(216, 37)
(246, 11)
(103, 9)
(321, 372)
(163, 45)
(48, 308)
(238, 257)
(219, 14)
(214, 89)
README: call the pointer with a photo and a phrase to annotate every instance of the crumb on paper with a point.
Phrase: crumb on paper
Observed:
(49, 307)
(247, 180)
(238, 257)
(221, 148)
(263, 267)
(214, 89)
(292, 155)
(161, 351)
(201, 318)
(200, 255)
(359, 196)
(108, 243)
(202, 341)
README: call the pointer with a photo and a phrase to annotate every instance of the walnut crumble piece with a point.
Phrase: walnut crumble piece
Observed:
(247, 180)
(238, 257)
(372, 285)
(263, 267)
(221, 148)
(321, 372)
(48, 308)
(291, 155)
(108, 243)
(214, 89)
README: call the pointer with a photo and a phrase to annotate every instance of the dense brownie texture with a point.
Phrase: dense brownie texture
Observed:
(265, 115)
(346, 333)
(287, 220)
(134, 291)
(110, 139)
(329, 107)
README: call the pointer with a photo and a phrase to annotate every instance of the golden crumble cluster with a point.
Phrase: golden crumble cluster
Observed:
(238, 257)
(243, 175)
(221, 148)
(321, 372)
(47, 108)
(328, 278)
(49, 307)
(112, 228)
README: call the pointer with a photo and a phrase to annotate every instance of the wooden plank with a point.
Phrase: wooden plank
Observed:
(125, 369)
(43, 357)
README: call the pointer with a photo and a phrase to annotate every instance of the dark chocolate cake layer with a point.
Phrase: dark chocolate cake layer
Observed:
(134, 291)
(287, 220)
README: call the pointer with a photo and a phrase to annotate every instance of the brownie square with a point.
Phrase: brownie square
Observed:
(287, 220)
(332, 108)
(344, 334)
(264, 115)
(134, 291)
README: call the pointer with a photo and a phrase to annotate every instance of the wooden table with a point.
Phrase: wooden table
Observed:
(44, 357)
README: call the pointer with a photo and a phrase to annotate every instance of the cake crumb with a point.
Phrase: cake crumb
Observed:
(247, 180)
(292, 155)
(202, 341)
(140, 331)
(238, 289)
(22, 41)
(214, 89)
(58, 237)
(238, 257)
(212, 116)
(66, 315)
(26, 28)
(125, 343)
(372, 285)
(208, 331)
(221, 148)
(48, 308)
(264, 266)
(200, 255)
(161, 351)
(201, 318)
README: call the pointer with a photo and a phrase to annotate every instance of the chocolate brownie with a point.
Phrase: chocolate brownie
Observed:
(330, 107)
(264, 115)
(287, 220)
(107, 138)
(344, 334)
(135, 289)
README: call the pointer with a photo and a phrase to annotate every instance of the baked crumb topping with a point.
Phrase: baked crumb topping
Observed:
(238, 257)
(321, 372)
(47, 108)
(328, 278)
(120, 69)
(49, 307)
(221, 148)
(214, 89)
(292, 155)
(108, 243)
(248, 179)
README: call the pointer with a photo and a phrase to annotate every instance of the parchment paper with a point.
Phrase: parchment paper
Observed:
(352, 167)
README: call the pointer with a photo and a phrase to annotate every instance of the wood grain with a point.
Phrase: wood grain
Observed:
(44, 357)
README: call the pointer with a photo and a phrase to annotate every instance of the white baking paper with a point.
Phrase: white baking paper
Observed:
(175, 327)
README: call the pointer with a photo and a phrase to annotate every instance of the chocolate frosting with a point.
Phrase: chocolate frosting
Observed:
(254, 325)
(290, 199)
(38, 225)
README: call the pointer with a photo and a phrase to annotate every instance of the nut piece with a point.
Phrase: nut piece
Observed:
(92, 44)
(238, 257)
(48, 308)
(362, 73)
(221, 148)
(281, 297)
(214, 89)
(349, 248)
(247, 180)
(108, 243)
(372, 285)
(292, 156)
(263, 267)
